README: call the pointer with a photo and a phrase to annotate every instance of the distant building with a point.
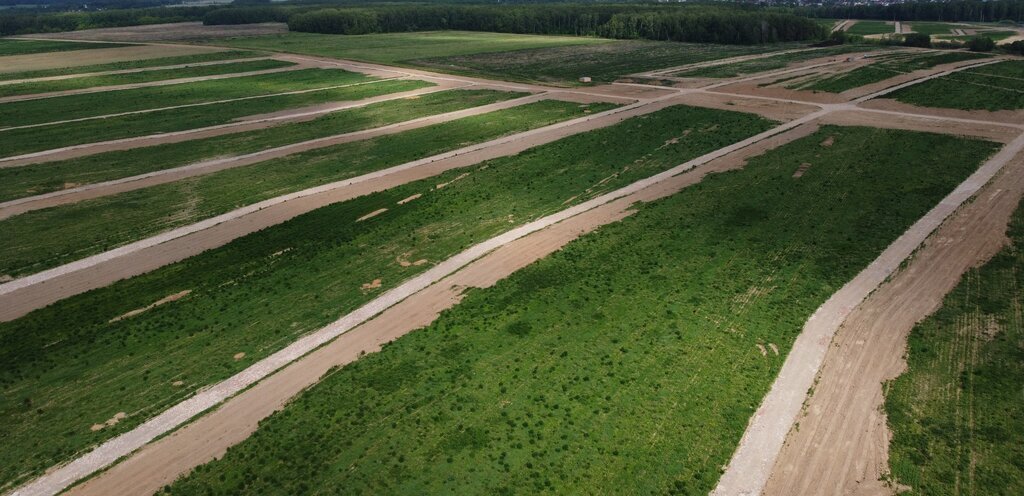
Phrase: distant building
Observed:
(585, 79)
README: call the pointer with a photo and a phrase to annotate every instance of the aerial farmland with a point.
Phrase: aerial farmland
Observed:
(503, 249)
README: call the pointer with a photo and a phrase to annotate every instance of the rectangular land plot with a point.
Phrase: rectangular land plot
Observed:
(955, 413)
(131, 65)
(107, 103)
(632, 358)
(27, 47)
(885, 67)
(140, 77)
(992, 87)
(68, 60)
(866, 28)
(33, 139)
(93, 226)
(36, 179)
(768, 63)
(83, 360)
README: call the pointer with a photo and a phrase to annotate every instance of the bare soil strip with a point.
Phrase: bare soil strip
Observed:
(72, 195)
(1009, 116)
(163, 82)
(752, 462)
(713, 63)
(977, 129)
(843, 440)
(200, 104)
(58, 60)
(110, 451)
(23, 295)
(249, 123)
(130, 71)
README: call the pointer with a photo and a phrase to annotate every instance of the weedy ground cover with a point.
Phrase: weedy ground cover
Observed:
(932, 28)
(992, 87)
(95, 104)
(130, 64)
(46, 238)
(82, 360)
(865, 28)
(26, 47)
(603, 63)
(768, 63)
(633, 357)
(140, 77)
(886, 66)
(956, 412)
(34, 139)
(18, 182)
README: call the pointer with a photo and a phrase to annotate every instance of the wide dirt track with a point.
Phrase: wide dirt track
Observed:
(842, 439)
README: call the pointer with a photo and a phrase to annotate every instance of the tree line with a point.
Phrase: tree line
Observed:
(52, 22)
(704, 23)
(948, 11)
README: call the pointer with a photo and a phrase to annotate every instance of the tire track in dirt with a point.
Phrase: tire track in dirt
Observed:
(615, 205)
(752, 462)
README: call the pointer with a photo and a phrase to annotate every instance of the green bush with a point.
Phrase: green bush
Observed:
(918, 40)
(981, 44)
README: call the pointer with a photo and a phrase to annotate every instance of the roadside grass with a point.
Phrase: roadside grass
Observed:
(630, 358)
(36, 179)
(956, 412)
(130, 64)
(50, 237)
(886, 66)
(10, 46)
(866, 28)
(769, 63)
(604, 62)
(400, 47)
(98, 104)
(72, 365)
(992, 87)
(21, 141)
(140, 77)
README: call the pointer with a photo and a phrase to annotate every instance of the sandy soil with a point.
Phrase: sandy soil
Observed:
(248, 123)
(209, 437)
(28, 293)
(842, 442)
(183, 31)
(78, 58)
(76, 194)
(1002, 134)
(771, 109)
(1010, 116)
(164, 82)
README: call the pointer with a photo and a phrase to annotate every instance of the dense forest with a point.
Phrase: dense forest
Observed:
(949, 11)
(712, 24)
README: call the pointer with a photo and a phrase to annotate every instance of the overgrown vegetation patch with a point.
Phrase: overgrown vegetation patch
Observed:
(956, 413)
(632, 358)
(84, 359)
(993, 87)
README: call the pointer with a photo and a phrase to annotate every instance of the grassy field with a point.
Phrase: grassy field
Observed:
(932, 28)
(105, 103)
(27, 47)
(140, 77)
(885, 67)
(768, 63)
(865, 28)
(630, 359)
(604, 62)
(46, 238)
(992, 87)
(20, 141)
(29, 180)
(72, 365)
(402, 47)
(956, 413)
(131, 64)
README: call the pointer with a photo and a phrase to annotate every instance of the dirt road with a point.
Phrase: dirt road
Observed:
(756, 455)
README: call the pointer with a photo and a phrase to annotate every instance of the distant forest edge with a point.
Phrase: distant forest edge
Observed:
(705, 22)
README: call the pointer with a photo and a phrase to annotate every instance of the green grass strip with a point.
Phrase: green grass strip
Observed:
(956, 413)
(991, 87)
(68, 366)
(140, 77)
(93, 226)
(96, 104)
(18, 182)
(628, 359)
(28, 47)
(34, 139)
(130, 64)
